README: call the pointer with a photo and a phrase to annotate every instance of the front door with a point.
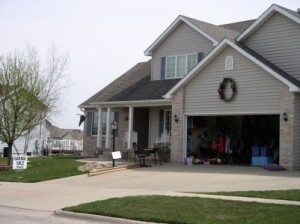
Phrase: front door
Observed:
(141, 125)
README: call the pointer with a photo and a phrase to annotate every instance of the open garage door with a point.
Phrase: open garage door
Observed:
(244, 139)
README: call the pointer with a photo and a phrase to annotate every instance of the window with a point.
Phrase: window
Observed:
(171, 62)
(167, 121)
(181, 66)
(191, 62)
(94, 123)
(104, 117)
(178, 66)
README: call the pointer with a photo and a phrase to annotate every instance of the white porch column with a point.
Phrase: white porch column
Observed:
(107, 136)
(99, 132)
(130, 128)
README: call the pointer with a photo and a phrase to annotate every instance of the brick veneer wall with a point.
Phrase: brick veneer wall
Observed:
(177, 127)
(286, 145)
(90, 142)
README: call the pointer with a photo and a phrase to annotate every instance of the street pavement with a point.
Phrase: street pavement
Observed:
(169, 179)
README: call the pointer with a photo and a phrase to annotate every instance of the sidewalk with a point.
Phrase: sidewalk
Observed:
(169, 179)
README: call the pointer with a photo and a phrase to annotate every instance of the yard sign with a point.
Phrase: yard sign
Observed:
(19, 162)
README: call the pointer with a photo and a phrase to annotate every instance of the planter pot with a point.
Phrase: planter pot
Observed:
(188, 161)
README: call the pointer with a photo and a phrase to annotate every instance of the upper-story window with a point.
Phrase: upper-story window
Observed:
(173, 67)
(178, 66)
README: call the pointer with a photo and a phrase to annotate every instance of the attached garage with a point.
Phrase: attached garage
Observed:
(256, 110)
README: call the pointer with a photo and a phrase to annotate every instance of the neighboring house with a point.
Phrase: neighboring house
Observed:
(30, 142)
(179, 91)
(47, 136)
(62, 140)
(66, 134)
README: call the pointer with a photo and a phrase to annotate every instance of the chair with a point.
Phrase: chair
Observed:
(142, 154)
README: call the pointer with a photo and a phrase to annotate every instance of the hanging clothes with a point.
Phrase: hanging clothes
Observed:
(228, 146)
(222, 143)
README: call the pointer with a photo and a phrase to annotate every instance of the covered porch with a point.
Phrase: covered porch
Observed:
(141, 123)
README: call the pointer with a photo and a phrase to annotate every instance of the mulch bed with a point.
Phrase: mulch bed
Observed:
(5, 167)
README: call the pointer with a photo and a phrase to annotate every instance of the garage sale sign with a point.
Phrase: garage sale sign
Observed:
(19, 162)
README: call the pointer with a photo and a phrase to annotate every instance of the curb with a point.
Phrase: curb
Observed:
(97, 218)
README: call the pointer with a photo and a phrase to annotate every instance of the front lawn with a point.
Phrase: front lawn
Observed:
(43, 168)
(291, 195)
(191, 210)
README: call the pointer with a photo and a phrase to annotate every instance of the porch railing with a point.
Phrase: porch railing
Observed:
(134, 138)
(61, 145)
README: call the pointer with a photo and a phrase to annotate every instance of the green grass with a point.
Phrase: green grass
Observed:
(291, 195)
(191, 210)
(41, 169)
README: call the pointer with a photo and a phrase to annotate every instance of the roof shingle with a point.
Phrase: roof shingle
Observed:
(137, 73)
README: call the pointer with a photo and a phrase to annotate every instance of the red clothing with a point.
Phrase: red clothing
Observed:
(222, 144)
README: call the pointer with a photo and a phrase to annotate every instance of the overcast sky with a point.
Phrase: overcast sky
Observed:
(106, 38)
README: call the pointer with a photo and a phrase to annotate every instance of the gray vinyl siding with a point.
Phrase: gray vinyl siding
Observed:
(257, 91)
(183, 40)
(296, 153)
(19, 145)
(278, 40)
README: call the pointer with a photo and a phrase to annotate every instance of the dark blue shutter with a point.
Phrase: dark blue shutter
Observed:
(88, 124)
(200, 56)
(162, 68)
(161, 122)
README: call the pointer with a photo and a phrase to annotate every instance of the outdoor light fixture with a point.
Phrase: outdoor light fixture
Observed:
(176, 118)
(114, 125)
(285, 117)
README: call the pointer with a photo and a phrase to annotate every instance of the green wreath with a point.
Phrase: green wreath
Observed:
(223, 86)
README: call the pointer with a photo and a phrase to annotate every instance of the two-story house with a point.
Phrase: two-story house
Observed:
(230, 88)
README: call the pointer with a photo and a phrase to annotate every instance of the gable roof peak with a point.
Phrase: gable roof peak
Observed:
(292, 15)
(212, 32)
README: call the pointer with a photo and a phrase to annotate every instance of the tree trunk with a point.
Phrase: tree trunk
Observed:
(9, 155)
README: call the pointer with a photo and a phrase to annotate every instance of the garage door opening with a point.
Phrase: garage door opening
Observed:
(234, 139)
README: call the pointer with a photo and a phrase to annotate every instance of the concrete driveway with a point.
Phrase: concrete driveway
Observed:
(168, 179)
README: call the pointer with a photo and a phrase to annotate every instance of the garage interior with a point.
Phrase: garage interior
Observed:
(239, 139)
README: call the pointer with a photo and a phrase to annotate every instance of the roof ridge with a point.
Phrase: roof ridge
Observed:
(293, 12)
(215, 31)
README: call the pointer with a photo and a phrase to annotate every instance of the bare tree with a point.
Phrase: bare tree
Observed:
(28, 93)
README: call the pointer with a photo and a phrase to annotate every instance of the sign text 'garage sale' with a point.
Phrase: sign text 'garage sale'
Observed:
(19, 162)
